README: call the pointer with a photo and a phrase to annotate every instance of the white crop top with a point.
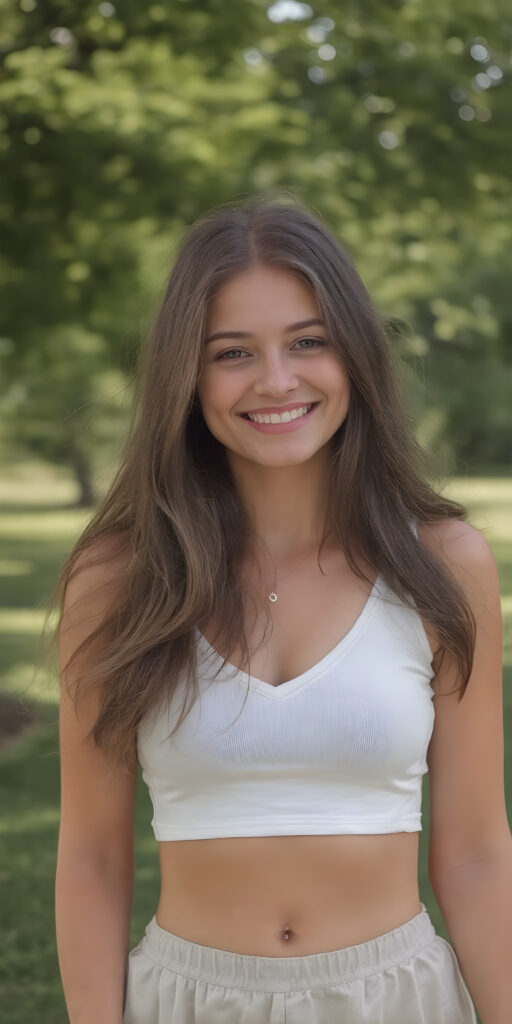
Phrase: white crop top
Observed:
(339, 749)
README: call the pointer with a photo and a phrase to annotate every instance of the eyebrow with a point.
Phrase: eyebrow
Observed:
(243, 334)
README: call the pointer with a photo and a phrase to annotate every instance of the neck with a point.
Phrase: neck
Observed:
(285, 505)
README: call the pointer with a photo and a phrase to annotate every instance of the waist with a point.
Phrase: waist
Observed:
(288, 895)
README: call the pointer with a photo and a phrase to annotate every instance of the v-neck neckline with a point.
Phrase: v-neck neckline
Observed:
(290, 686)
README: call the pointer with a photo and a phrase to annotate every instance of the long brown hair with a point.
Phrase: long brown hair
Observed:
(173, 506)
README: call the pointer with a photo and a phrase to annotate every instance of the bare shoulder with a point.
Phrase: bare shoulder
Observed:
(466, 553)
(463, 549)
(103, 557)
(453, 539)
(96, 576)
(90, 597)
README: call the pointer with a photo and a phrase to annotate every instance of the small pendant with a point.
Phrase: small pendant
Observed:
(272, 596)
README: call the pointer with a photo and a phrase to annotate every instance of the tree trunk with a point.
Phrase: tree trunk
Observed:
(80, 464)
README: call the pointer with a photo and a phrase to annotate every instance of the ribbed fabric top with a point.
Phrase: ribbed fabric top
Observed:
(339, 749)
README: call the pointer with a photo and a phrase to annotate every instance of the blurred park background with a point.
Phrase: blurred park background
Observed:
(119, 126)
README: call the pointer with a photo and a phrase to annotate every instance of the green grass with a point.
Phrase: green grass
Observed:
(38, 525)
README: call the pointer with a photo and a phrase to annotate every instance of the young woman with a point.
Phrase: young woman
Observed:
(277, 616)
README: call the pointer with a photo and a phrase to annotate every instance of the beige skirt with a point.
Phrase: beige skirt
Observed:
(409, 975)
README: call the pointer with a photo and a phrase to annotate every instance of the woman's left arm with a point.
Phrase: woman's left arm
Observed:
(470, 843)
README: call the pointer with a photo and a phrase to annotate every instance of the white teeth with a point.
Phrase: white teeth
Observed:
(285, 417)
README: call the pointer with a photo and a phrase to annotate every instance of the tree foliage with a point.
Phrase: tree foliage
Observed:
(122, 123)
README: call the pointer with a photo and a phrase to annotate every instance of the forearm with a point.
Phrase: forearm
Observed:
(476, 903)
(92, 918)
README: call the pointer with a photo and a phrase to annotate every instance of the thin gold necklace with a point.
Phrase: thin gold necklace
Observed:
(273, 596)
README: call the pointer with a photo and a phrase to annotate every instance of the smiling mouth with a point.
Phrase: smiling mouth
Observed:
(309, 406)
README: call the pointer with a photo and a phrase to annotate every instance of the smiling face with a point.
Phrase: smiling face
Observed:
(271, 367)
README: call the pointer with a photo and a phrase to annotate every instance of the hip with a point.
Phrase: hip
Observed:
(409, 975)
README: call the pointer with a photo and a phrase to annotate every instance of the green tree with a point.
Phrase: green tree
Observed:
(121, 126)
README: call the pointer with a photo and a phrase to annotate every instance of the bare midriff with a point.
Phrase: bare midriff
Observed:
(293, 895)
(288, 895)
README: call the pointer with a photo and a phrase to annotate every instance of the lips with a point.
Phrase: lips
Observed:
(277, 409)
(274, 425)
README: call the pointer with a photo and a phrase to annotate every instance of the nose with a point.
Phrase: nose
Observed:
(275, 377)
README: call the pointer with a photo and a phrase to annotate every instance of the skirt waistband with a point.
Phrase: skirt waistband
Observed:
(281, 974)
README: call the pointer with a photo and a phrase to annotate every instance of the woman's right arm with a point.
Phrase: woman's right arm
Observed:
(95, 857)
